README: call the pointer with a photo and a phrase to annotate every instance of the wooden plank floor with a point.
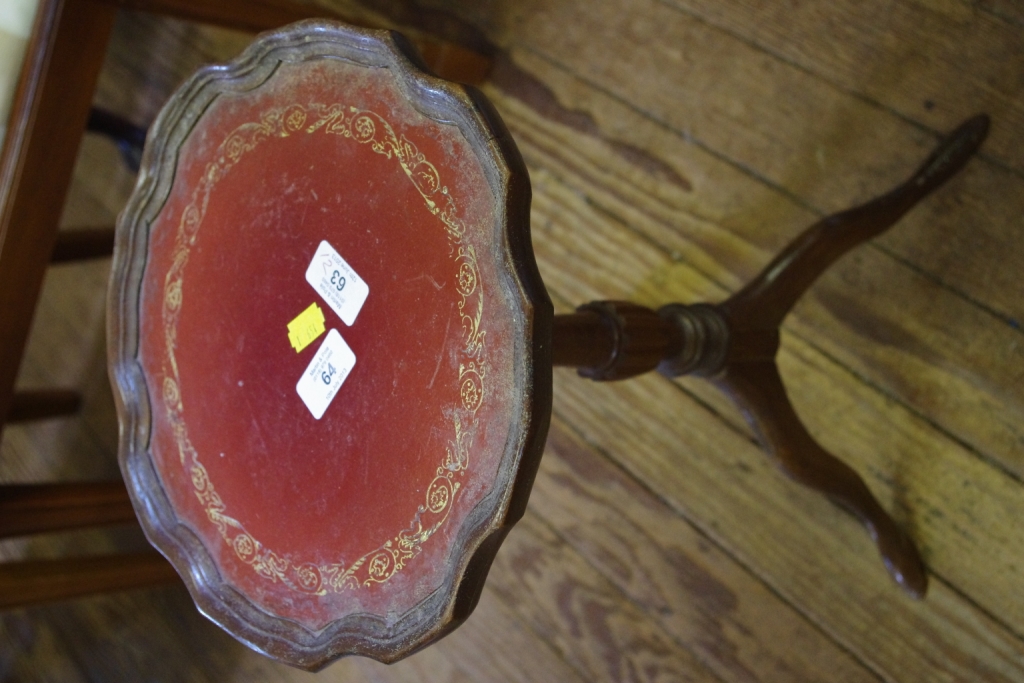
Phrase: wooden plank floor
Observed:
(674, 146)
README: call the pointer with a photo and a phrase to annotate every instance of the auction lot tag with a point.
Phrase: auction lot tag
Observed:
(335, 280)
(325, 374)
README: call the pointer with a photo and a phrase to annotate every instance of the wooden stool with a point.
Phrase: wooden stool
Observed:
(332, 349)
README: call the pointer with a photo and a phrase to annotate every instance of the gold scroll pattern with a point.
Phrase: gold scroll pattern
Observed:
(391, 556)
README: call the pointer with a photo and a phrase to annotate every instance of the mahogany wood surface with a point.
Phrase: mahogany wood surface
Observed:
(40, 404)
(674, 148)
(38, 508)
(246, 15)
(47, 119)
(83, 243)
(39, 581)
(461, 63)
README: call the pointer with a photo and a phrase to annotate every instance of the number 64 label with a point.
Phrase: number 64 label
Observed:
(333, 279)
(325, 374)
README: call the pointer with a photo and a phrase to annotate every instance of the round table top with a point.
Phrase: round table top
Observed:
(329, 342)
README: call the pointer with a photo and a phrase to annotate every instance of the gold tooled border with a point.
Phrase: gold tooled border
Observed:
(380, 564)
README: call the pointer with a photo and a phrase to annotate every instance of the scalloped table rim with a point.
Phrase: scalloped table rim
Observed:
(491, 519)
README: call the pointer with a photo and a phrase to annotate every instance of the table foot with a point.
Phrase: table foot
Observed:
(757, 390)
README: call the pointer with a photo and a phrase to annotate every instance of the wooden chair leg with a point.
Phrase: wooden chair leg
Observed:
(47, 119)
(82, 244)
(39, 508)
(448, 60)
(24, 584)
(243, 15)
(42, 404)
(129, 138)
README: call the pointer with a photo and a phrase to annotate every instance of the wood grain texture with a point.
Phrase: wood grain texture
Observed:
(47, 118)
(42, 404)
(953, 372)
(698, 594)
(36, 582)
(673, 147)
(927, 71)
(787, 127)
(31, 509)
(838, 414)
(583, 616)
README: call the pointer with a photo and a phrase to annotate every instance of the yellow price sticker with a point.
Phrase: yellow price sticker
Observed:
(306, 327)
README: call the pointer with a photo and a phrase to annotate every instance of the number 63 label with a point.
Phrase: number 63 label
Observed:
(333, 279)
(325, 374)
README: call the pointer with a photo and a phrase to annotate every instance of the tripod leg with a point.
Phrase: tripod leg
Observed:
(764, 302)
(734, 344)
(757, 389)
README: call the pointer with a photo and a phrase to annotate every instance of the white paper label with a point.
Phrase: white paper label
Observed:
(339, 285)
(325, 374)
